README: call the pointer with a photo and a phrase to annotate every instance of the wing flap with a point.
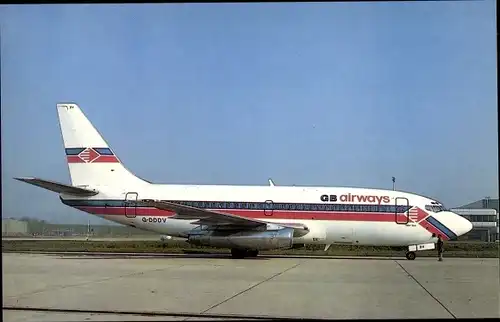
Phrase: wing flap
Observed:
(203, 217)
(222, 220)
(59, 187)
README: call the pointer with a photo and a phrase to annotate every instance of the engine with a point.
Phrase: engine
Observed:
(259, 240)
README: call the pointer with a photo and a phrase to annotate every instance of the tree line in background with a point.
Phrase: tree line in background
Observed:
(42, 227)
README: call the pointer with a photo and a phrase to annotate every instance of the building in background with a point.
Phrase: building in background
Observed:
(13, 227)
(484, 217)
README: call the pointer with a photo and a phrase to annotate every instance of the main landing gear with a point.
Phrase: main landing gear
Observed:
(410, 255)
(242, 253)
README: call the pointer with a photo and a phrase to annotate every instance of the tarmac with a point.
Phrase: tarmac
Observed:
(117, 287)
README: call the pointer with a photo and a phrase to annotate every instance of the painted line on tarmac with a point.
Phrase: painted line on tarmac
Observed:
(251, 287)
(155, 313)
(427, 291)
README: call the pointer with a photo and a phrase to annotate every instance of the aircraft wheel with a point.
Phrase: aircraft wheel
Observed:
(411, 255)
(238, 253)
(252, 253)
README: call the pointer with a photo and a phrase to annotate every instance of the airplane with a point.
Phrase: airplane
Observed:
(246, 219)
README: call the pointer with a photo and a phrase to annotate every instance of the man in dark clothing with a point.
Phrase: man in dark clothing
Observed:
(440, 248)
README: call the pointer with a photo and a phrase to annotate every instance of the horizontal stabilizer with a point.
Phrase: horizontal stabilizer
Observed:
(59, 187)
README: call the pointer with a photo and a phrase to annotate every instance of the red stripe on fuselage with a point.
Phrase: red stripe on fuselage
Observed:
(257, 214)
(432, 229)
(417, 214)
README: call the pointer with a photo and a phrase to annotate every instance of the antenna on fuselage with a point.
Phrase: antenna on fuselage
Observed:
(394, 183)
(271, 183)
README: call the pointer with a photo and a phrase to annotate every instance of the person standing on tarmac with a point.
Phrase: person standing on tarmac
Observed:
(440, 248)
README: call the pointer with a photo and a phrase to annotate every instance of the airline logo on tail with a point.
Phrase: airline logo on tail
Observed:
(90, 155)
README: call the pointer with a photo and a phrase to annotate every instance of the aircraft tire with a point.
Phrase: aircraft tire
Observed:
(252, 253)
(238, 253)
(411, 256)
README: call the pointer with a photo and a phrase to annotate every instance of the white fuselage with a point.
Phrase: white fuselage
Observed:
(345, 216)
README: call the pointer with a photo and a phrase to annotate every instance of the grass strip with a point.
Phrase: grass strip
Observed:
(452, 249)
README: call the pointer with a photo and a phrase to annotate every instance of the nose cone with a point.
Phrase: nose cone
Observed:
(451, 224)
(463, 226)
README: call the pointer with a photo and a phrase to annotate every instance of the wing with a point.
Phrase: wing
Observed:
(204, 217)
(213, 218)
(59, 187)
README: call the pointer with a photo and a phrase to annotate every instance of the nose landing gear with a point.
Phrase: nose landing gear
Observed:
(410, 254)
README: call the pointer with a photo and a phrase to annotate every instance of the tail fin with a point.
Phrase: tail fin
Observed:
(90, 160)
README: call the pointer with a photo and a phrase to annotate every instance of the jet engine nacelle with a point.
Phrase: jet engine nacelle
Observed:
(165, 237)
(258, 240)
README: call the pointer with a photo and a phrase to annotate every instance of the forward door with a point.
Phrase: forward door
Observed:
(401, 211)
(268, 208)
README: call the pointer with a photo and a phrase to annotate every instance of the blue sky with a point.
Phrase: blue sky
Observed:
(336, 94)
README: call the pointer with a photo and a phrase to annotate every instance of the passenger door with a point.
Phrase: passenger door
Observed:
(131, 204)
(401, 217)
(268, 208)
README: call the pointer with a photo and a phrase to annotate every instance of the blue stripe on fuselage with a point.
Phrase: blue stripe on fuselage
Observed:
(324, 207)
(436, 223)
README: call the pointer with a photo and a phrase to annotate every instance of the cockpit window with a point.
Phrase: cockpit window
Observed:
(435, 208)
